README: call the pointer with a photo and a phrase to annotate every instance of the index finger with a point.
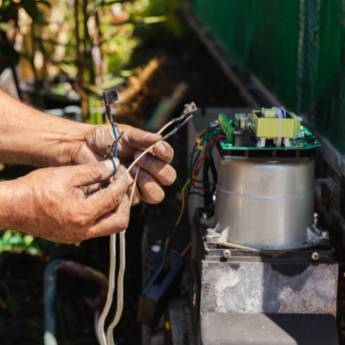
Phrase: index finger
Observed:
(138, 138)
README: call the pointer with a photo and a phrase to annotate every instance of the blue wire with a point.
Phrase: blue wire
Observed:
(116, 141)
(113, 126)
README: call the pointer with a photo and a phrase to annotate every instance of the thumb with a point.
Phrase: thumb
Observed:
(87, 174)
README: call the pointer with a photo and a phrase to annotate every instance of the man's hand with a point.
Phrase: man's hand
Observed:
(51, 203)
(29, 136)
(155, 168)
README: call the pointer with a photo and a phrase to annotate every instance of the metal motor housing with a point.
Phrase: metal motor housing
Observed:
(265, 204)
(263, 272)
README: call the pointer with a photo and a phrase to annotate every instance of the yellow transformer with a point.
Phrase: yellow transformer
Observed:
(275, 123)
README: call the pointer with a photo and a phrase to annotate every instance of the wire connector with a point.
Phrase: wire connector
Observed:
(187, 114)
(110, 96)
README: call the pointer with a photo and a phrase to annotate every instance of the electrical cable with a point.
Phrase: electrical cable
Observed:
(184, 118)
(108, 339)
(201, 155)
(112, 250)
(120, 277)
(183, 191)
(111, 288)
(185, 250)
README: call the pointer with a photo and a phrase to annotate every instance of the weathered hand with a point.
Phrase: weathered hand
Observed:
(155, 168)
(51, 203)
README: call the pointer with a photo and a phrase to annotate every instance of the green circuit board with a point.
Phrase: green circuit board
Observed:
(308, 142)
(266, 132)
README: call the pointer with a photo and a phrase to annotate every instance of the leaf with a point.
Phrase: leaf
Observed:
(28, 239)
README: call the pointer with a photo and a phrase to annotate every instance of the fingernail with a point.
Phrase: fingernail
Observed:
(172, 176)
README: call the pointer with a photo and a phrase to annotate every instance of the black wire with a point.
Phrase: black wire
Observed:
(205, 177)
(209, 167)
(177, 128)
(212, 164)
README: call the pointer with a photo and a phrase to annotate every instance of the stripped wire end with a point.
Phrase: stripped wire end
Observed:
(109, 97)
(189, 110)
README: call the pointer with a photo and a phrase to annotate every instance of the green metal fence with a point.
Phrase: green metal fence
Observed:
(295, 47)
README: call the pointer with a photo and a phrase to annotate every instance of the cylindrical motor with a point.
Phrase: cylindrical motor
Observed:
(265, 205)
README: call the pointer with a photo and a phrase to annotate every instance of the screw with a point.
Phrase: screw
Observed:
(315, 256)
(226, 253)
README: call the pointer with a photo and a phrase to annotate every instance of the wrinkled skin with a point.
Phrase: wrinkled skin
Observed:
(155, 168)
(51, 202)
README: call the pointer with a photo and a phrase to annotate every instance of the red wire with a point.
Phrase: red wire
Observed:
(198, 163)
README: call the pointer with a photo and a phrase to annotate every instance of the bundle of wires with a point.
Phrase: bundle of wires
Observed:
(202, 166)
(109, 98)
(107, 338)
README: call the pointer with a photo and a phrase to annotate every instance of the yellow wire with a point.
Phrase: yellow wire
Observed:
(199, 147)
(183, 190)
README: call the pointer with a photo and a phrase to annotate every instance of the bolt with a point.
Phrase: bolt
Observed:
(315, 256)
(226, 253)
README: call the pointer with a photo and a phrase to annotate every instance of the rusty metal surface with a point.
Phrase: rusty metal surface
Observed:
(265, 298)
(259, 287)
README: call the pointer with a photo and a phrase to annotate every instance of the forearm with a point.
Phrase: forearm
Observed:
(29, 136)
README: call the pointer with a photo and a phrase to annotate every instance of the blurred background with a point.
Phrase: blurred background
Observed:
(60, 55)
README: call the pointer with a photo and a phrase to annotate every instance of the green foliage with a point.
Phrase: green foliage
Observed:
(13, 241)
(101, 38)
(9, 9)
(167, 9)
(125, 43)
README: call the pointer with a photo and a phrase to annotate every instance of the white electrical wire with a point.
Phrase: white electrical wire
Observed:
(112, 264)
(121, 273)
(120, 283)
(108, 339)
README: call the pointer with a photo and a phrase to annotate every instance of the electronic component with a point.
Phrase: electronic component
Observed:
(258, 253)
(272, 132)
(226, 126)
(275, 123)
